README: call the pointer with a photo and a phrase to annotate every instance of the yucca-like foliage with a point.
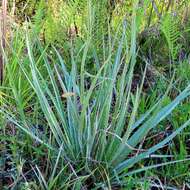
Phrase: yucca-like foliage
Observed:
(91, 119)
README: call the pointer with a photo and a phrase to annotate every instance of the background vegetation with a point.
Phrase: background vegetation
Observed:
(95, 95)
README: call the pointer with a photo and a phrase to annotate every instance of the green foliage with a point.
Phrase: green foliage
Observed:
(172, 34)
(77, 112)
(22, 9)
(91, 135)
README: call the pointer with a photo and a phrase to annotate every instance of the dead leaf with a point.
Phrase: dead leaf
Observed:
(68, 94)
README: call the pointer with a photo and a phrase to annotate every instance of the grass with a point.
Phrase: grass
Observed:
(94, 115)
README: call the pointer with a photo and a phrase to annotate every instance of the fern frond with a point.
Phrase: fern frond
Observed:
(170, 29)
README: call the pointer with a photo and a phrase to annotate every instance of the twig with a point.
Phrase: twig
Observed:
(155, 8)
(3, 37)
(169, 5)
(150, 16)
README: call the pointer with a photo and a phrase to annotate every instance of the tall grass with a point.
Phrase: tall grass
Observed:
(91, 119)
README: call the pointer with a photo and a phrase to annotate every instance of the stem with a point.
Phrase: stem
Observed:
(3, 37)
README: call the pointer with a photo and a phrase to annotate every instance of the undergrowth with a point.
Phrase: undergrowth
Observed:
(96, 96)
